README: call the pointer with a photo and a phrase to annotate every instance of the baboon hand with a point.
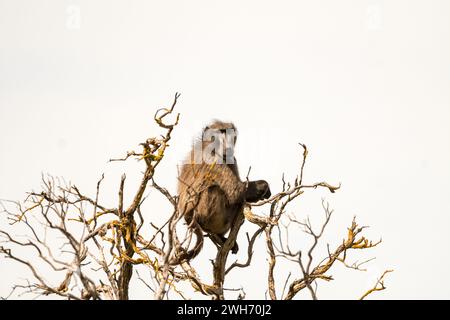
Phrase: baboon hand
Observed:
(257, 190)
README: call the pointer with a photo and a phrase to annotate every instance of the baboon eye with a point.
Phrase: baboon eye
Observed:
(223, 130)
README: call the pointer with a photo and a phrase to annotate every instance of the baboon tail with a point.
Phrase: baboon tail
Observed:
(182, 255)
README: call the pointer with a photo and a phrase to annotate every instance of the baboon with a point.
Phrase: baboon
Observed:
(210, 190)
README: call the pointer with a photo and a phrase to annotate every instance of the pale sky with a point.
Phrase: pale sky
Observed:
(364, 84)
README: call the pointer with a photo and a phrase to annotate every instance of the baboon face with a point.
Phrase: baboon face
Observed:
(221, 139)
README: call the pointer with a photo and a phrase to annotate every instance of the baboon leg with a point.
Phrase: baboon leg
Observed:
(219, 241)
(213, 212)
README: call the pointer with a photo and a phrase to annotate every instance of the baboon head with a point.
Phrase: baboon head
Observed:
(219, 139)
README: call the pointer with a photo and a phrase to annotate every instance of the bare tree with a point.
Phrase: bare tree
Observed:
(94, 248)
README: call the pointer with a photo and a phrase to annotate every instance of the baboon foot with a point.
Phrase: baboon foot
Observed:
(235, 248)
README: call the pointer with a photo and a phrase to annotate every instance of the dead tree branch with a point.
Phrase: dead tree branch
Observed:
(93, 248)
